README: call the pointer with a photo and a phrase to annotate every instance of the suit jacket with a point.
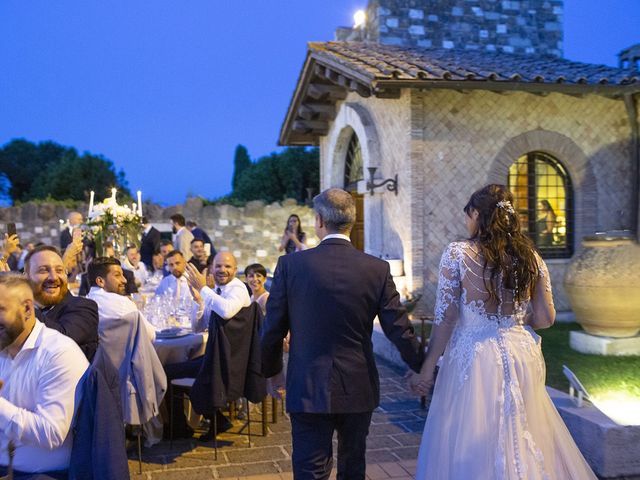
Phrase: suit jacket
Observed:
(77, 318)
(200, 234)
(143, 383)
(98, 451)
(149, 243)
(65, 239)
(328, 297)
(231, 366)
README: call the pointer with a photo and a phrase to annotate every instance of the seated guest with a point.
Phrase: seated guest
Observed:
(182, 238)
(109, 251)
(200, 234)
(76, 317)
(132, 263)
(256, 276)
(200, 257)
(30, 246)
(157, 271)
(149, 243)
(39, 373)
(166, 247)
(108, 291)
(177, 285)
(226, 298)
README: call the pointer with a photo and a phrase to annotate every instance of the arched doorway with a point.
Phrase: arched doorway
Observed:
(353, 173)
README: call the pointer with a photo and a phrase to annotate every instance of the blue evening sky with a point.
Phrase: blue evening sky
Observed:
(166, 89)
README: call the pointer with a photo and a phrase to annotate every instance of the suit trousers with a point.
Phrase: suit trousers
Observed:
(312, 435)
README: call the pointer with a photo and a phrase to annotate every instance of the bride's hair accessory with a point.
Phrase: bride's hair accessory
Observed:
(506, 205)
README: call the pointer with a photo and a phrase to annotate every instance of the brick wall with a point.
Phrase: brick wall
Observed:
(445, 144)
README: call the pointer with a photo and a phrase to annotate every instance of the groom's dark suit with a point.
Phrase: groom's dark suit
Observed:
(328, 297)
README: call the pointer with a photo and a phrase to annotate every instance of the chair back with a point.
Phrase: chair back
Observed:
(143, 382)
(98, 451)
(231, 367)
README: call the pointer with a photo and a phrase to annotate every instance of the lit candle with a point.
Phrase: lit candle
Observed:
(133, 207)
(91, 202)
(139, 202)
(113, 194)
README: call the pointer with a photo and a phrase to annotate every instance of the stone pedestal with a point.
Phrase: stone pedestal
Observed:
(612, 450)
(591, 344)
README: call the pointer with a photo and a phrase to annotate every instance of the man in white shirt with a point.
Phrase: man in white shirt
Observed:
(132, 262)
(108, 291)
(176, 285)
(227, 297)
(40, 369)
(183, 237)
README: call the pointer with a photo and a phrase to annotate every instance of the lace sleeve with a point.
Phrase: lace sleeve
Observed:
(543, 309)
(448, 293)
(544, 279)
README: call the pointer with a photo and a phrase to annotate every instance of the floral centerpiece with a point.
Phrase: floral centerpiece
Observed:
(119, 224)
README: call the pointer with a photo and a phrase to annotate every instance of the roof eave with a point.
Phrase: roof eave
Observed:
(497, 86)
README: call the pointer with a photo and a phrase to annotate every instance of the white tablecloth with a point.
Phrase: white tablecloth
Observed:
(180, 349)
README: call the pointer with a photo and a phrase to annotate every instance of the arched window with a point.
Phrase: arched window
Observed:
(353, 164)
(543, 197)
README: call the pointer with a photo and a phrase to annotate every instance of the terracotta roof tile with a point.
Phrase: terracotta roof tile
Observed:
(387, 62)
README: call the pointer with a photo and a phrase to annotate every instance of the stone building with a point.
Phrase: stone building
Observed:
(521, 26)
(444, 122)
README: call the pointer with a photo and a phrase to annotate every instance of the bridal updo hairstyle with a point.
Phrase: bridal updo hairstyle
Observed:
(502, 244)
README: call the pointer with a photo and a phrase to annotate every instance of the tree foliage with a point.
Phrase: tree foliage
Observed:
(241, 162)
(286, 174)
(49, 170)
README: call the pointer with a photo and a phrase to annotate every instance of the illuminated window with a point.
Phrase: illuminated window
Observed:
(543, 197)
(353, 164)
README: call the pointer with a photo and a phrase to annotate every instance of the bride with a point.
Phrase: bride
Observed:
(490, 416)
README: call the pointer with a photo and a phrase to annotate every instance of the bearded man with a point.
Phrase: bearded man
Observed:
(76, 317)
(39, 372)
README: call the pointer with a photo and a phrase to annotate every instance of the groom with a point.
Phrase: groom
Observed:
(328, 297)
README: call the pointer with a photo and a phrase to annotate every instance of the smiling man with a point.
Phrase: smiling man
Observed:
(39, 372)
(76, 317)
(108, 290)
(226, 298)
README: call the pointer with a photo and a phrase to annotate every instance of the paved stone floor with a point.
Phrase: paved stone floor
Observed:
(392, 446)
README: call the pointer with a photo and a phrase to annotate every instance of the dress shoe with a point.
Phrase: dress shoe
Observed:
(223, 426)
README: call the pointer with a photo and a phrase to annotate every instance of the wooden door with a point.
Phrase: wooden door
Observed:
(357, 233)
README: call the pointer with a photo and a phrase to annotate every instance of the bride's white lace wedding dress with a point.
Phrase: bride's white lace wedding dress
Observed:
(491, 417)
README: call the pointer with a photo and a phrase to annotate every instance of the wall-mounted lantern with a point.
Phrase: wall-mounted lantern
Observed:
(391, 183)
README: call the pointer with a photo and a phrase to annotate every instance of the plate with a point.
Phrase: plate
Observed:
(172, 333)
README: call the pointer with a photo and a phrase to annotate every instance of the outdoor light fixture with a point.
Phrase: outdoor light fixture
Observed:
(575, 387)
(391, 183)
(359, 18)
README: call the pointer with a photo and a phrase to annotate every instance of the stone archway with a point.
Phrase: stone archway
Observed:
(354, 119)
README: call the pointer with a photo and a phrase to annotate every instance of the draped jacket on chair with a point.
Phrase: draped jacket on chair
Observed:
(142, 378)
(231, 367)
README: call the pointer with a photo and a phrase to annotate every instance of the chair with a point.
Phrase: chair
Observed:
(143, 382)
(231, 366)
(186, 384)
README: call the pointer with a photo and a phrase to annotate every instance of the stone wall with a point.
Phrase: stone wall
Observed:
(252, 232)
(514, 26)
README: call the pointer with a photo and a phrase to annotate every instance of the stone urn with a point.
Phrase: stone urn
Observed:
(603, 285)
